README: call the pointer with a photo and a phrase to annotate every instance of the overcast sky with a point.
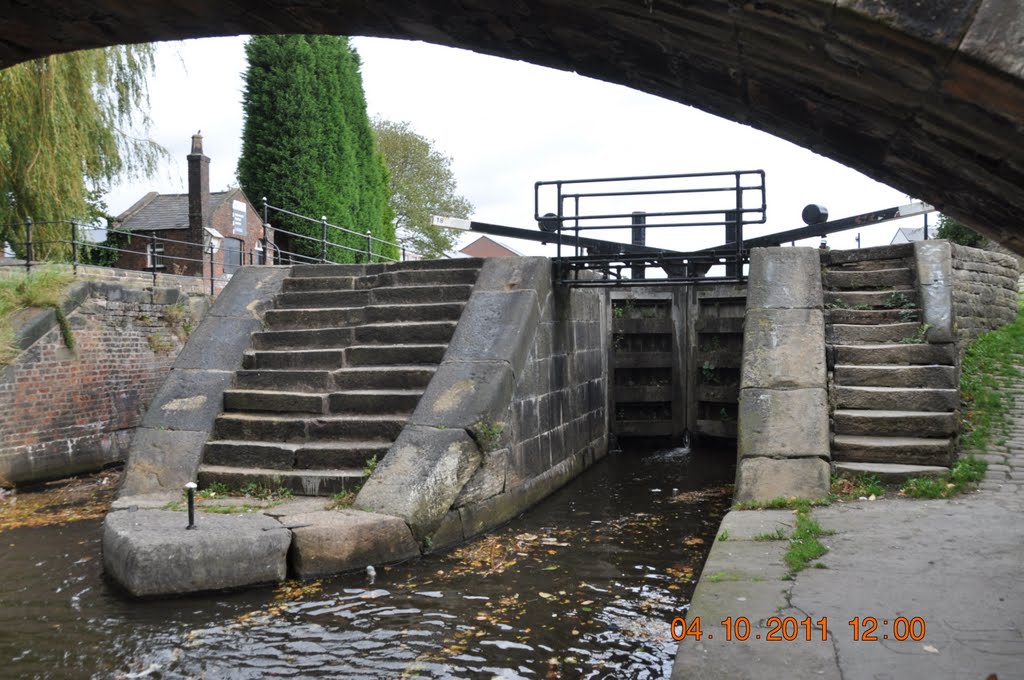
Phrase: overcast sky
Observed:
(507, 125)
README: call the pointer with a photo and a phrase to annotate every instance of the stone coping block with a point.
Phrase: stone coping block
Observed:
(783, 349)
(934, 264)
(783, 423)
(764, 479)
(466, 395)
(150, 552)
(421, 477)
(506, 274)
(250, 292)
(188, 400)
(336, 541)
(785, 278)
(162, 461)
(496, 326)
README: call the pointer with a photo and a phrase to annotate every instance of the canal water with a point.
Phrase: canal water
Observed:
(584, 585)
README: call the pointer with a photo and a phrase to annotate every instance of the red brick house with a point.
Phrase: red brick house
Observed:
(173, 232)
(488, 247)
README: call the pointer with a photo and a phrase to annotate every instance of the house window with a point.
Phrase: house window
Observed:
(232, 255)
(154, 256)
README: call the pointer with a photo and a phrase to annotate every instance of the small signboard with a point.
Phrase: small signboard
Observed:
(238, 217)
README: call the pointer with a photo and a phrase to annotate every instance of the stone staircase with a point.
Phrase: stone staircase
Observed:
(894, 396)
(340, 366)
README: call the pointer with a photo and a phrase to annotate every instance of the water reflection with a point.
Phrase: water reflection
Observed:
(584, 585)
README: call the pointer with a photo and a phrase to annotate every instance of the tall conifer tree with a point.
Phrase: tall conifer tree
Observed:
(307, 144)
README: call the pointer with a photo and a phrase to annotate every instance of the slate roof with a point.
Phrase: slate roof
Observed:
(157, 212)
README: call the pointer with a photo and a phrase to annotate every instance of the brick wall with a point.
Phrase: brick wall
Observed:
(985, 289)
(64, 412)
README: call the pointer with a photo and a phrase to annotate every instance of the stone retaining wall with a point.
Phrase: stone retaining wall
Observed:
(68, 411)
(517, 408)
(985, 290)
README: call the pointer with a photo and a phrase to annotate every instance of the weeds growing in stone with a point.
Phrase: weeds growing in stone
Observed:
(858, 486)
(961, 478)
(778, 535)
(804, 546)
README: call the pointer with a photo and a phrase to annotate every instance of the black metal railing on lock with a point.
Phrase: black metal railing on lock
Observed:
(143, 251)
(330, 239)
(631, 207)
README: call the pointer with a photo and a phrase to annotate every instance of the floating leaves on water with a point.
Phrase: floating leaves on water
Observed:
(292, 591)
(694, 541)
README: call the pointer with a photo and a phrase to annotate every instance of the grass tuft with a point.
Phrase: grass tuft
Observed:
(964, 474)
(44, 287)
(804, 546)
(989, 367)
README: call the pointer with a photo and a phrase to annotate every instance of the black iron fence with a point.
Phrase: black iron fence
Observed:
(62, 242)
(331, 239)
(728, 200)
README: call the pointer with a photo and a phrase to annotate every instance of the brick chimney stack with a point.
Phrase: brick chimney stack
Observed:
(198, 190)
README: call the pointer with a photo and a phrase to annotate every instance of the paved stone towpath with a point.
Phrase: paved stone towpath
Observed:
(957, 566)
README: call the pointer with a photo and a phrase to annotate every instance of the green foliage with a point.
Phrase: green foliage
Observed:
(107, 253)
(988, 369)
(778, 535)
(341, 500)
(422, 184)
(44, 287)
(67, 129)
(307, 144)
(724, 536)
(370, 466)
(958, 232)
(898, 300)
(804, 546)
(857, 486)
(918, 337)
(961, 478)
(488, 435)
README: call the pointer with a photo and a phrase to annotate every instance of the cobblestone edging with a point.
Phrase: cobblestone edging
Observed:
(1006, 461)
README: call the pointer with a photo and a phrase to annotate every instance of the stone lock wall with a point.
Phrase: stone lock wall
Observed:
(985, 290)
(517, 407)
(783, 441)
(68, 411)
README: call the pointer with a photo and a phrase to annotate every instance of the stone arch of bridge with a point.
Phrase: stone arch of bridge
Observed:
(927, 97)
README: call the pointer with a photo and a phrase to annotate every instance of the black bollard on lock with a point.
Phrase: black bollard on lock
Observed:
(191, 489)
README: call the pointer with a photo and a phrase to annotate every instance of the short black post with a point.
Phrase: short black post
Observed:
(639, 239)
(323, 239)
(28, 244)
(152, 255)
(74, 247)
(190, 488)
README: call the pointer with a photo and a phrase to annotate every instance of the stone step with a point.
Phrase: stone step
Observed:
(315, 270)
(868, 280)
(896, 353)
(871, 316)
(851, 334)
(897, 398)
(889, 253)
(299, 319)
(421, 277)
(273, 401)
(299, 482)
(881, 423)
(285, 380)
(872, 298)
(896, 450)
(890, 473)
(329, 359)
(397, 401)
(303, 456)
(323, 338)
(374, 296)
(383, 378)
(385, 355)
(301, 428)
(414, 332)
(300, 359)
(294, 284)
(889, 375)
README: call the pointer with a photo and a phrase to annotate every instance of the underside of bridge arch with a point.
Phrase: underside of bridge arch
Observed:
(927, 97)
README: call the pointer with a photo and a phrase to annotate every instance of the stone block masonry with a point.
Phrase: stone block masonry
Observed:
(517, 407)
(783, 442)
(985, 290)
(65, 411)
